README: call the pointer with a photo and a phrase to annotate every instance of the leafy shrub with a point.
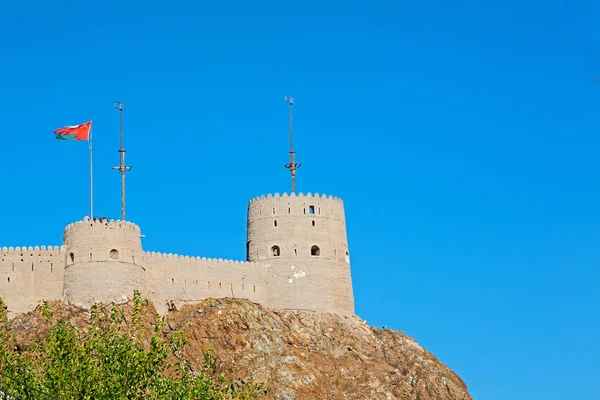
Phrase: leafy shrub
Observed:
(110, 360)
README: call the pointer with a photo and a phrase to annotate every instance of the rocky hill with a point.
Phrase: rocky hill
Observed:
(299, 354)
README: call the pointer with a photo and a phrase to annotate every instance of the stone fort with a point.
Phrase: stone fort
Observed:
(296, 258)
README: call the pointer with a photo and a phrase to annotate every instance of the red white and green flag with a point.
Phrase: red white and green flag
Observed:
(77, 132)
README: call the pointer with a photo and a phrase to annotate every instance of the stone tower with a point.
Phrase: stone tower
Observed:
(302, 240)
(104, 262)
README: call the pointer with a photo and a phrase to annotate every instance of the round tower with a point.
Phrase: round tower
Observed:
(104, 262)
(302, 240)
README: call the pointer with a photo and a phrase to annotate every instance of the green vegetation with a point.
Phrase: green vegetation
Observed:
(110, 360)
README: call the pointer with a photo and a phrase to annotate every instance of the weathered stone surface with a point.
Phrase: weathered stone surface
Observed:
(299, 354)
(297, 254)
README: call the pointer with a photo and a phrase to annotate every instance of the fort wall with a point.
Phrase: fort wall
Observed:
(175, 280)
(29, 275)
(297, 258)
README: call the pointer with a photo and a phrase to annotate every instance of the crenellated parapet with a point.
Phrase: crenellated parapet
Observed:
(293, 194)
(33, 249)
(111, 223)
(14, 260)
(307, 206)
(95, 232)
(149, 255)
(181, 279)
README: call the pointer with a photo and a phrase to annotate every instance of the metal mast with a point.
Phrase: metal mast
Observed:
(292, 166)
(122, 168)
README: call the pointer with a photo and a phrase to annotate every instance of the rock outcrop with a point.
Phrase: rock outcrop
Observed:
(299, 354)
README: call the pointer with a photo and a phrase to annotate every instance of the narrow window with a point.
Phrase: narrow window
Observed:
(295, 252)
(114, 254)
(335, 254)
(9, 279)
(254, 288)
(275, 222)
(273, 210)
(185, 281)
(289, 211)
(248, 250)
(31, 267)
(304, 209)
(275, 251)
(319, 210)
(209, 284)
(72, 257)
(311, 209)
(172, 281)
(220, 286)
(51, 267)
(313, 222)
(347, 257)
(243, 287)
(315, 251)
(90, 256)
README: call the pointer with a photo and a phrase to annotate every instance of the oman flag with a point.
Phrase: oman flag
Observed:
(77, 132)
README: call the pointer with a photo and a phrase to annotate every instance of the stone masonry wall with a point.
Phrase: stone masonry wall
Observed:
(294, 224)
(29, 275)
(104, 262)
(303, 240)
(175, 279)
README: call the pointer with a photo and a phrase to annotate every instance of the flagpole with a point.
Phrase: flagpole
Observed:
(91, 178)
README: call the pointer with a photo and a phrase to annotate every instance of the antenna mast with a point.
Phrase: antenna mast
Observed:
(292, 166)
(122, 168)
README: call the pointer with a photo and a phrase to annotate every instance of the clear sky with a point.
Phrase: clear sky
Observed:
(462, 136)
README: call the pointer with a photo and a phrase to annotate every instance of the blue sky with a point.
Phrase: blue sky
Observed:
(462, 136)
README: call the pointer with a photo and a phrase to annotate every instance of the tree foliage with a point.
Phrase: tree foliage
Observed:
(110, 360)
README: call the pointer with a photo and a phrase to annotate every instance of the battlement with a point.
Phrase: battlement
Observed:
(102, 234)
(97, 224)
(299, 207)
(193, 259)
(308, 195)
(36, 249)
(29, 274)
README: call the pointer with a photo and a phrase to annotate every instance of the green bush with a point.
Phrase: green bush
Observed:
(110, 360)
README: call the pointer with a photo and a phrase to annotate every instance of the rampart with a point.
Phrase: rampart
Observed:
(30, 274)
(173, 279)
(297, 257)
